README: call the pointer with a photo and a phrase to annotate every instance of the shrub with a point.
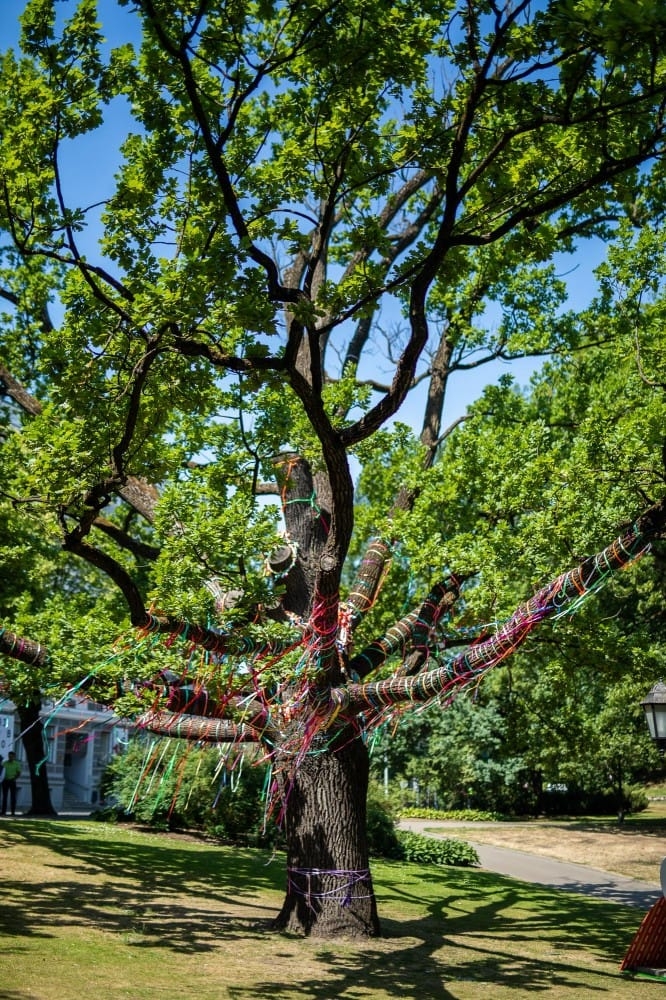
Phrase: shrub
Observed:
(637, 800)
(433, 851)
(579, 802)
(459, 815)
(168, 785)
(386, 841)
(383, 839)
(172, 786)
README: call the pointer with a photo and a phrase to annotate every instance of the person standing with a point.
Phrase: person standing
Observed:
(12, 772)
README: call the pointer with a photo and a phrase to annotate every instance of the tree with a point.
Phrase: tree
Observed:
(48, 595)
(590, 437)
(296, 179)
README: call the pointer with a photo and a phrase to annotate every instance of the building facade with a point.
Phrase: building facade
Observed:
(80, 738)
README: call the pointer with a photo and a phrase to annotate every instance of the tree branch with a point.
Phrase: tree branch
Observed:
(22, 649)
(411, 632)
(554, 599)
(276, 290)
(140, 549)
(196, 727)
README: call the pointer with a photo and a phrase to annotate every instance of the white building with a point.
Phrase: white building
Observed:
(80, 738)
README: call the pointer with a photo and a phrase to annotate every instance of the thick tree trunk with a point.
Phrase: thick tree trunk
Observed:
(33, 742)
(329, 886)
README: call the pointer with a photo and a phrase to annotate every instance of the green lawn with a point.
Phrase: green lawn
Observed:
(107, 912)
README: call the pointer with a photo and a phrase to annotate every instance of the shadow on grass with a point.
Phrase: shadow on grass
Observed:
(633, 824)
(646, 825)
(155, 891)
(480, 932)
(454, 925)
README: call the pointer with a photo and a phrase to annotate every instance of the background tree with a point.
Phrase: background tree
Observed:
(590, 437)
(295, 179)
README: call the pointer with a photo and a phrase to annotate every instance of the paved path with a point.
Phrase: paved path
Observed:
(547, 871)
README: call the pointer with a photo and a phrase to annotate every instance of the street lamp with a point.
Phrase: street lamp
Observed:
(654, 706)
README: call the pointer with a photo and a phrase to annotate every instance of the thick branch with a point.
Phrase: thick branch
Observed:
(138, 615)
(411, 632)
(140, 549)
(243, 366)
(197, 727)
(369, 578)
(404, 371)
(307, 523)
(20, 395)
(24, 650)
(140, 377)
(141, 496)
(232, 642)
(557, 598)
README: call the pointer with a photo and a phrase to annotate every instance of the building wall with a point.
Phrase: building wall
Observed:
(6, 731)
(81, 737)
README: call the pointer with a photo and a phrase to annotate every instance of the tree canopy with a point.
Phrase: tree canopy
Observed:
(317, 210)
(589, 434)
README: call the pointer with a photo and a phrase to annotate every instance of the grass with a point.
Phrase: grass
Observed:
(111, 912)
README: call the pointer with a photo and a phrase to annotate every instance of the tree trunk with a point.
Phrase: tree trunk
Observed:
(34, 744)
(329, 886)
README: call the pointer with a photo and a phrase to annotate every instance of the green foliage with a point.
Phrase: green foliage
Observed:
(165, 359)
(466, 758)
(581, 802)
(210, 532)
(383, 836)
(459, 815)
(531, 483)
(292, 180)
(170, 785)
(385, 840)
(433, 851)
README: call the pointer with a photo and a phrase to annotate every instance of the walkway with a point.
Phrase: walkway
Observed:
(547, 871)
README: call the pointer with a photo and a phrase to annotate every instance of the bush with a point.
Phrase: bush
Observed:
(459, 815)
(579, 802)
(172, 786)
(433, 851)
(386, 841)
(637, 800)
(383, 839)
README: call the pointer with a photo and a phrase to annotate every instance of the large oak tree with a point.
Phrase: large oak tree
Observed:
(299, 184)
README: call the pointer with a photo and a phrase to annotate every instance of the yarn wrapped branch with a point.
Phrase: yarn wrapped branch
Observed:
(304, 708)
(562, 596)
(413, 631)
(218, 641)
(369, 578)
(22, 649)
(197, 728)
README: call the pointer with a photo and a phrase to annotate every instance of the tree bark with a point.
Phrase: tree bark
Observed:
(329, 886)
(33, 742)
